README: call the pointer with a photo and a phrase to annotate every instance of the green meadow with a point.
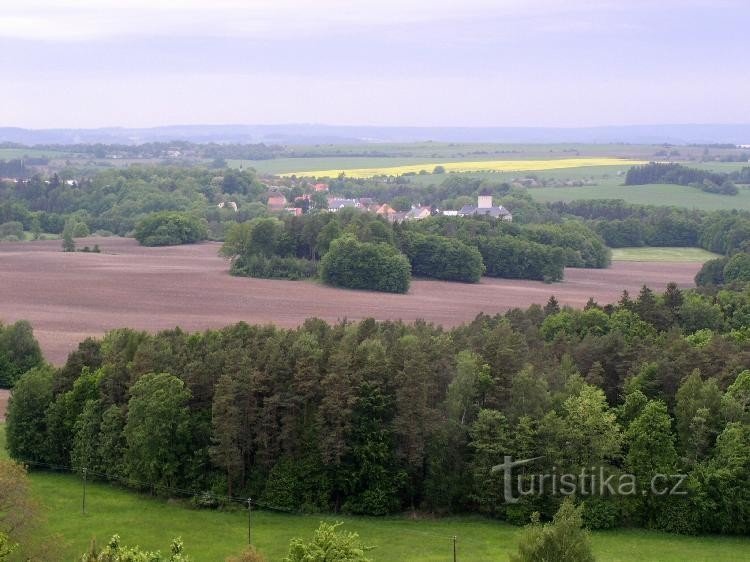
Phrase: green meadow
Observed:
(214, 535)
(696, 255)
(653, 194)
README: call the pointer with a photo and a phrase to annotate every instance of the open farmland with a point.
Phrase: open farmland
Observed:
(69, 296)
(470, 166)
(650, 194)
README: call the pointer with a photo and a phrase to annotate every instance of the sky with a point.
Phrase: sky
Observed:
(557, 63)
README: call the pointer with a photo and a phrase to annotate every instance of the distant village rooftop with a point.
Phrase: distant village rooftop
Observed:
(484, 206)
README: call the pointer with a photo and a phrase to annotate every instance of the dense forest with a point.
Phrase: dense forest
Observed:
(449, 248)
(380, 417)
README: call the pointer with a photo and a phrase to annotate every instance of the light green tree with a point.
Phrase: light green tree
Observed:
(157, 430)
(328, 545)
(563, 540)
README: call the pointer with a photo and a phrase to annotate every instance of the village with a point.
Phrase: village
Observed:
(319, 198)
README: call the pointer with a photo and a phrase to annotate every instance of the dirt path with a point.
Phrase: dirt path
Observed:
(68, 297)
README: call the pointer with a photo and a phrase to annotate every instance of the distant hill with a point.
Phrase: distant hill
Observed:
(331, 134)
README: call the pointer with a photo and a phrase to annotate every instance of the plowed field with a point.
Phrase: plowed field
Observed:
(69, 296)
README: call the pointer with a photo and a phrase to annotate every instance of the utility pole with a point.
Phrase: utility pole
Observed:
(249, 512)
(83, 503)
(454, 548)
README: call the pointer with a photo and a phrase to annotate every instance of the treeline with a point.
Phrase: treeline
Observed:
(113, 201)
(379, 417)
(448, 248)
(657, 172)
(622, 224)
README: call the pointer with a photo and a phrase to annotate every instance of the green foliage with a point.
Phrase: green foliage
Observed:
(737, 268)
(361, 265)
(116, 552)
(26, 420)
(328, 545)
(169, 228)
(656, 172)
(19, 352)
(563, 540)
(374, 418)
(274, 267)
(157, 430)
(7, 547)
(442, 258)
(514, 258)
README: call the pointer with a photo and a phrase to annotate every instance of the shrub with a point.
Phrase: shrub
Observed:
(711, 273)
(513, 258)
(328, 545)
(563, 540)
(363, 265)
(737, 268)
(442, 258)
(274, 267)
(170, 228)
(11, 229)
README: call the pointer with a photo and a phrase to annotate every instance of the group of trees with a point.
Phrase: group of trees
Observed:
(371, 252)
(622, 224)
(170, 228)
(115, 200)
(378, 417)
(655, 172)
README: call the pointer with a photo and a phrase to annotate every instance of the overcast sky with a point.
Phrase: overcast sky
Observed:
(90, 63)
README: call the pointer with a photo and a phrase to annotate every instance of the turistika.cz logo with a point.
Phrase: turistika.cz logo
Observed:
(594, 481)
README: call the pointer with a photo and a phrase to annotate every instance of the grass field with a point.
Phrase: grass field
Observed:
(697, 255)
(468, 166)
(211, 536)
(655, 194)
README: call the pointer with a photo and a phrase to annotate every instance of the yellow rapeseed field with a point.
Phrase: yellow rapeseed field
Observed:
(479, 166)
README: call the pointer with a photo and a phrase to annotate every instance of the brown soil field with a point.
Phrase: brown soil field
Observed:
(69, 296)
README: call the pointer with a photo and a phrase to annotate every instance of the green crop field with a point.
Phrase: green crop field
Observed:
(15, 153)
(655, 194)
(212, 535)
(696, 255)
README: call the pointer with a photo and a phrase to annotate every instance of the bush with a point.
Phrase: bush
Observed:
(328, 545)
(737, 268)
(442, 258)
(711, 273)
(170, 228)
(563, 540)
(513, 258)
(11, 229)
(363, 265)
(274, 267)
(19, 352)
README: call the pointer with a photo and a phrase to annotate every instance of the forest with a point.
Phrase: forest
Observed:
(381, 417)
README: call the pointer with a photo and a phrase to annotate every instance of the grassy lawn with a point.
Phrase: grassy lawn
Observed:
(698, 255)
(211, 535)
